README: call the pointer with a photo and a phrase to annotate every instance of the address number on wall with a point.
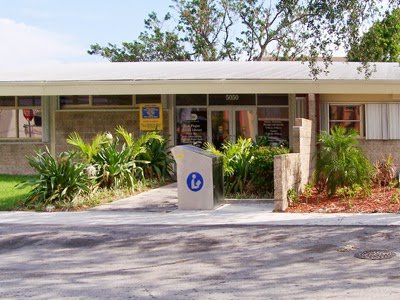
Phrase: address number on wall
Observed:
(232, 97)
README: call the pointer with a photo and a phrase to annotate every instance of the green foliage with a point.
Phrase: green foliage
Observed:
(158, 158)
(153, 44)
(381, 42)
(248, 168)
(59, 180)
(292, 196)
(339, 162)
(88, 150)
(307, 191)
(207, 30)
(237, 160)
(262, 168)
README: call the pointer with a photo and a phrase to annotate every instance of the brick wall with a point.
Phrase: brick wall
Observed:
(379, 150)
(89, 123)
(13, 157)
(293, 170)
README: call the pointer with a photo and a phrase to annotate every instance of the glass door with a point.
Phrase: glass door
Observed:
(229, 123)
(245, 123)
(220, 126)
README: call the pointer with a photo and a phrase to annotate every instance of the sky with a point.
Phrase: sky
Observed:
(34, 32)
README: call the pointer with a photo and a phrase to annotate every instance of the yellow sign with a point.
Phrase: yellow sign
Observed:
(150, 117)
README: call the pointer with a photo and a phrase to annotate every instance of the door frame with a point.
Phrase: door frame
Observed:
(232, 109)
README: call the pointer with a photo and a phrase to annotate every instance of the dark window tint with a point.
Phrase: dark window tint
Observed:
(196, 99)
(112, 100)
(74, 100)
(142, 99)
(29, 101)
(7, 101)
(272, 99)
(232, 99)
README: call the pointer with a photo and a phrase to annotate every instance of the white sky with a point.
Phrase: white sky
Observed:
(41, 31)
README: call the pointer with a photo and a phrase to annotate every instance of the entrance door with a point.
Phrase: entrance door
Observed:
(231, 122)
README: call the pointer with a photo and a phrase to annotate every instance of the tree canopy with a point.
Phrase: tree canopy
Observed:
(381, 42)
(208, 30)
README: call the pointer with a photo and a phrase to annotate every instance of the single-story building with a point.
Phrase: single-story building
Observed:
(198, 101)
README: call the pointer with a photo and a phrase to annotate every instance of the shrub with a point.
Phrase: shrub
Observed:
(384, 172)
(60, 180)
(158, 158)
(262, 168)
(237, 160)
(339, 162)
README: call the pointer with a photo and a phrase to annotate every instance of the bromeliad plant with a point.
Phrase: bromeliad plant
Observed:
(340, 163)
(59, 182)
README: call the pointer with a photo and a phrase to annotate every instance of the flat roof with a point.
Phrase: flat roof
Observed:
(182, 71)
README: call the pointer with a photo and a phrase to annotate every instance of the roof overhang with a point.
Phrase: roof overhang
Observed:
(51, 88)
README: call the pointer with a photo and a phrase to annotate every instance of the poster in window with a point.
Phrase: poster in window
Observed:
(151, 118)
(277, 132)
(191, 126)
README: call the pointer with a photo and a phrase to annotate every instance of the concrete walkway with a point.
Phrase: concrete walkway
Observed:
(159, 207)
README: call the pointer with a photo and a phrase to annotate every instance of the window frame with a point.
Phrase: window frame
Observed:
(361, 134)
(17, 108)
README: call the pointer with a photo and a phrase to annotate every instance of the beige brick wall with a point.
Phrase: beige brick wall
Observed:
(293, 170)
(89, 123)
(379, 150)
(13, 157)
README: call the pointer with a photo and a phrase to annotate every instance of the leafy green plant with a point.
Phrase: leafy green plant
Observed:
(59, 180)
(237, 160)
(308, 191)
(292, 196)
(158, 159)
(88, 150)
(339, 162)
(116, 169)
(262, 168)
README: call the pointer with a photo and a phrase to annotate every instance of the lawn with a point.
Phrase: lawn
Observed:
(9, 193)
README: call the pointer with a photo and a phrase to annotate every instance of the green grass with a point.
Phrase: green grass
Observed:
(9, 193)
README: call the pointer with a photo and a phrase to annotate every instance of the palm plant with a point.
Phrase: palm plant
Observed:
(339, 162)
(88, 150)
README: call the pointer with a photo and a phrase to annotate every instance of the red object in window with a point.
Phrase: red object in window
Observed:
(28, 114)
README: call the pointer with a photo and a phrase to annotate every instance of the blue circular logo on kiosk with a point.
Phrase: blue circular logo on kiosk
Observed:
(195, 182)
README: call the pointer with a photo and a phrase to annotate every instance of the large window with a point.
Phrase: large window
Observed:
(20, 117)
(348, 116)
(273, 118)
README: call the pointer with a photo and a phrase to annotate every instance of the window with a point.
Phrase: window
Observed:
(144, 99)
(195, 99)
(273, 118)
(114, 100)
(20, 117)
(382, 121)
(191, 126)
(74, 101)
(348, 116)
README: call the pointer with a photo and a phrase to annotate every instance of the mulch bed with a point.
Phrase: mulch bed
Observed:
(381, 200)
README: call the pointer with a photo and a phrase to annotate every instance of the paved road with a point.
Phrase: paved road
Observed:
(196, 262)
(144, 248)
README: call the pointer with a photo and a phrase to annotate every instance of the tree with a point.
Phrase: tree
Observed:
(154, 44)
(251, 30)
(381, 42)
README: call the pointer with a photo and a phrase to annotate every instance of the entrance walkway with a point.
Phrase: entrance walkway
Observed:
(159, 207)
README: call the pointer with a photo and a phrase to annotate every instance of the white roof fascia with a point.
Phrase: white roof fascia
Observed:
(51, 88)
